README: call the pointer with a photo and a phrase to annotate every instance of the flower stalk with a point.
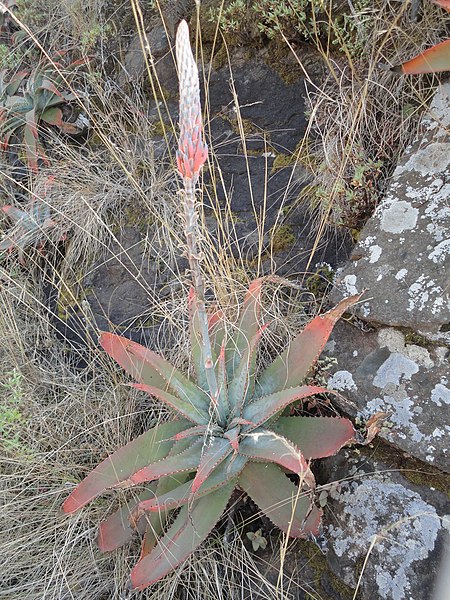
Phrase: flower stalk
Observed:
(191, 155)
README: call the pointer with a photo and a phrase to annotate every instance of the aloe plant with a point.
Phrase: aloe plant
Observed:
(432, 60)
(230, 430)
(28, 100)
(238, 440)
(29, 228)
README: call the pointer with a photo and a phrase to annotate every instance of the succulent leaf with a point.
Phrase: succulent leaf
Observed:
(188, 531)
(217, 330)
(154, 370)
(151, 446)
(268, 446)
(222, 386)
(186, 461)
(262, 409)
(243, 383)
(247, 326)
(280, 499)
(432, 60)
(216, 449)
(196, 341)
(53, 116)
(121, 349)
(157, 522)
(190, 432)
(226, 471)
(317, 437)
(116, 530)
(293, 365)
(181, 406)
(204, 459)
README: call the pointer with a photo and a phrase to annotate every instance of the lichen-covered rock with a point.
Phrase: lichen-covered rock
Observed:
(386, 528)
(387, 371)
(402, 256)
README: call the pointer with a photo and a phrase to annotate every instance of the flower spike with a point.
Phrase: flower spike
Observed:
(192, 150)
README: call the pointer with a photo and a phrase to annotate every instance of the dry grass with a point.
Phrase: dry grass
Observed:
(363, 115)
(58, 422)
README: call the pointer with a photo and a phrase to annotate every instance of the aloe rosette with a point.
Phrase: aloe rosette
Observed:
(30, 227)
(239, 439)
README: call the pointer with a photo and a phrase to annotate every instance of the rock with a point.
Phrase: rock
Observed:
(271, 120)
(133, 67)
(381, 371)
(385, 527)
(118, 286)
(401, 256)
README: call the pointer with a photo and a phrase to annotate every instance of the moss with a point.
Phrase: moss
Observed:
(67, 301)
(318, 563)
(410, 468)
(411, 337)
(282, 161)
(319, 283)
(134, 216)
(159, 128)
(281, 238)
(280, 59)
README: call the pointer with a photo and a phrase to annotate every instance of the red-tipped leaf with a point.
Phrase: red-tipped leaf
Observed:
(433, 60)
(214, 452)
(53, 116)
(247, 326)
(123, 351)
(196, 340)
(154, 370)
(151, 446)
(243, 382)
(185, 461)
(294, 364)
(228, 470)
(268, 446)
(116, 530)
(262, 409)
(185, 408)
(188, 531)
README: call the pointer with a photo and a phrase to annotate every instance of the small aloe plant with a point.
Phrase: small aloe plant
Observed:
(230, 430)
(29, 228)
(432, 60)
(28, 100)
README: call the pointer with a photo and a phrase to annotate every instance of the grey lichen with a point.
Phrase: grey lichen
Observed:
(402, 526)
